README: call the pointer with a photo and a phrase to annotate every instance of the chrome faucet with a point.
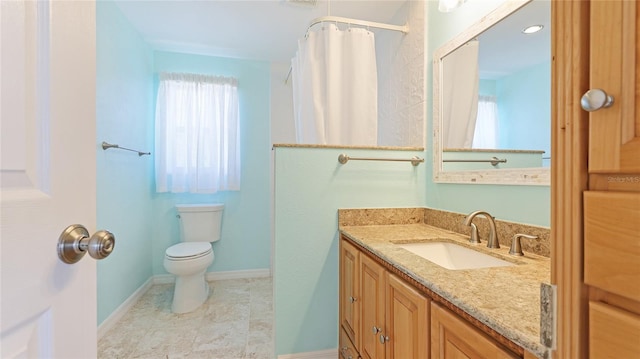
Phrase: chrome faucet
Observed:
(493, 234)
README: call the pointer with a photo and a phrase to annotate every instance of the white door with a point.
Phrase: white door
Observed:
(48, 308)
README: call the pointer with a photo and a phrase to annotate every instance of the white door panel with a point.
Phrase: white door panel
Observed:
(47, 162)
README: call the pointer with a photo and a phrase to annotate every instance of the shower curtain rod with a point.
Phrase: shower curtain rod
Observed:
(345, 20)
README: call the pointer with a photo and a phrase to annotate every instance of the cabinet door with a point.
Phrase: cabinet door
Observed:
(612, 204)
(611, 242)
(613, 332)
(372, 285)
(595, 46)
(347, 349)
(614, 132)
(407, 321)
(454, 338)
(350, 290)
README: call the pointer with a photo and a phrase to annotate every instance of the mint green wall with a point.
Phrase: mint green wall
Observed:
(123, 116)
(487, 87)
(246, 229)
(310, 186)
(526, 204)
(524, 109)
(144, 221)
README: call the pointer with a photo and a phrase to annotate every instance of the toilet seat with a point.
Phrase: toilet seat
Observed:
(188, 250)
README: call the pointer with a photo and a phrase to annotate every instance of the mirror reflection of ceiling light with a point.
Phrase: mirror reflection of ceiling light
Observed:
(449, 5)
(532, 29)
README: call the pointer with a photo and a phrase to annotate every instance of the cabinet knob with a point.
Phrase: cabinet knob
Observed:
(353, 299)
(595, 99)
(383, 338)
(376, 330)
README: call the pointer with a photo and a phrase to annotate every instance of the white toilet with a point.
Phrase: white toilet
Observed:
(200, 225)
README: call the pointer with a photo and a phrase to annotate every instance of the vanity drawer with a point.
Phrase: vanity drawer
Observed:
(454, 337)
(613, 332)
(611, 242)
(347, 349)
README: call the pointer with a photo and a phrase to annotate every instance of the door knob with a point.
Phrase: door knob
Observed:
(74, 243)
(595, 99)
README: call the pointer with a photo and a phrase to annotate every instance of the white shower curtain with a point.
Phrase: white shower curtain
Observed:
(460, 83)
(335, 87)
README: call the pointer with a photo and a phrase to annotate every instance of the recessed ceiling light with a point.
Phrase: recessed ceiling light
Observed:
(532, 29)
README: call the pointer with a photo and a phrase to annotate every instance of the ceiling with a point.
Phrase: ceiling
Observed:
(268, 30)
(265, 30)
(504, 49)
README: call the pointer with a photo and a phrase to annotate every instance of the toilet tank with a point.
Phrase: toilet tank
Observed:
(200, 222)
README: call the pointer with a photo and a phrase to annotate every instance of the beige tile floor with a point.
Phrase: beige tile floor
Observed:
(235, 322)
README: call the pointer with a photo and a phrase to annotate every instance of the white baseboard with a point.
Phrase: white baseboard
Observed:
(322, 354)
(167, 279)
(239, 274)
(117, 314)
(163, 279)
(236, 274)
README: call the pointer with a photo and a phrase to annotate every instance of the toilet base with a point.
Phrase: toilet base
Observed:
(189, 293)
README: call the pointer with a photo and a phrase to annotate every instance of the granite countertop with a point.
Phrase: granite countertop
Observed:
(506, 299)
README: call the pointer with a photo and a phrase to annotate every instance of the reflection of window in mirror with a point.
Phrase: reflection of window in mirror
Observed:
(523, 106)
(486, 132)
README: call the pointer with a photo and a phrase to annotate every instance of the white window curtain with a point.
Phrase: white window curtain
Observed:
(335, 87)
(486, 132)
(197, 132)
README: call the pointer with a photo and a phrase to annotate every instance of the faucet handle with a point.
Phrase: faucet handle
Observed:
(474, 237)
(516, 247)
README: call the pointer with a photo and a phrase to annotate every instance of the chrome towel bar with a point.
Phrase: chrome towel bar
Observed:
(106, 146)
(494, 161)
(343, 158)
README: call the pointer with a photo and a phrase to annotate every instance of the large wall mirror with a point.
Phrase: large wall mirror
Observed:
(492, 99)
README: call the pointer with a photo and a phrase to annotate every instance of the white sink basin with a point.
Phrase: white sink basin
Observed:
(453, 256)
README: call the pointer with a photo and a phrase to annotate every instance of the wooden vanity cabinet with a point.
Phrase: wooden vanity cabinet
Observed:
(349, 293)
(393, 317)
(454, 338)
(382, 316)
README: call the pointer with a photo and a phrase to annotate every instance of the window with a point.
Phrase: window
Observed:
(486, 132)
(197, 140)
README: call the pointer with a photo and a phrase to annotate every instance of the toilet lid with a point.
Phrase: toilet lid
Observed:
(188, 249)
